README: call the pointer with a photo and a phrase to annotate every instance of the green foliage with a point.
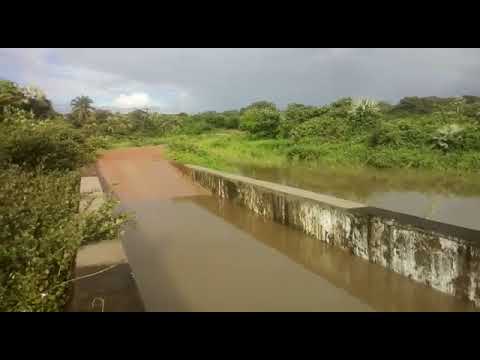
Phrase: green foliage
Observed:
(166, 124)
(38, 238)
(403, 132)
(195, 126)
(28, 98)
(417, 105)
(340, 108)
(40, 227)
(49, 144)
(102, 115)
(40, 231)
(364, 114)
(261, 122)
(383, 158)
(183, 145)
(260, 105)
(384, 107)
(10, 94)
(460, 106)
(449, 138)
(324, 127)
(297, 114)
(104, 223)
(36, 102)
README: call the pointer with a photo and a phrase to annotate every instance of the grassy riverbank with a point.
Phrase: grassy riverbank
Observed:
(222, 149)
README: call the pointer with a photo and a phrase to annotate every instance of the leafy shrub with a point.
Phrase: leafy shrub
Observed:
(261, 123)
(103, 224)
(471, 138)
(364, 113)
(27, 98)
(40, 231)
(116, 126)
(419, 105)
(184, 146)
(10, 94)
(50, 144)
(457, 137)
(340, 108)
(259, 105)
(298, 113)
(402, 132)
(324, 127)
(195, 127)
(38, 238)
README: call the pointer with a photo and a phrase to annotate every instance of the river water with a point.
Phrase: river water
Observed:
(190, 251)
(203, 253)
(446, 198)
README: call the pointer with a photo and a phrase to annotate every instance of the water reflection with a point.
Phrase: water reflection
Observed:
(205, 254)
(381, 289)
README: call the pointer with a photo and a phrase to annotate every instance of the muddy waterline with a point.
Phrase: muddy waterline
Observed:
(203, 253)
(447, 198)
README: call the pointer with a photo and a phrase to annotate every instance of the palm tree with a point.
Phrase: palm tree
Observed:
(82, 108)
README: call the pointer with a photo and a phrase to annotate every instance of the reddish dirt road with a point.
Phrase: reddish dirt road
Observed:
(136, 174)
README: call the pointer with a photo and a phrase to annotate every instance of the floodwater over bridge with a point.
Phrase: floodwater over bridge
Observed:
(192, 251)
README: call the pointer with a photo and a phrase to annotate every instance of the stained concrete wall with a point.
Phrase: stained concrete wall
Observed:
(442, 256)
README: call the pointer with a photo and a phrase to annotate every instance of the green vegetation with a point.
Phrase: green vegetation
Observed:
(41, 152)
(420, 133)
(40, 226)
(441, 136)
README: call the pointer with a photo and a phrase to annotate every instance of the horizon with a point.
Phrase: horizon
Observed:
(199, 80)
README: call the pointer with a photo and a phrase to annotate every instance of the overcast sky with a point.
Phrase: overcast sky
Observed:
(192, 80)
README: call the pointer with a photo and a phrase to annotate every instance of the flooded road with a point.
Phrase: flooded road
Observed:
(193, 252)
(452, 199)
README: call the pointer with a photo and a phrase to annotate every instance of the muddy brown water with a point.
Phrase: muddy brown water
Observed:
(452, 199)
(190, 251)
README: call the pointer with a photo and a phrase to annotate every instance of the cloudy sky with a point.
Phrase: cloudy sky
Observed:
(192, 80)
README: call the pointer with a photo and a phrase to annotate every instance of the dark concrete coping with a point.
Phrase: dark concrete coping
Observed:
(427, 225)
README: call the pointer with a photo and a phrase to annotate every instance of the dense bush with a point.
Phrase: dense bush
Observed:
(364, 114)
(261, 123)
(38, 238)
(181, 145)
(50, 144)
(27, 98)
(40, 227)
(324, 127)
(297, 114)
(40, 231)
(340, 108)
(403, 132)
(259, 105)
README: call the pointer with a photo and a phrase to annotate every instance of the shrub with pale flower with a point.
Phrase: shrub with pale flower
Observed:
(364, 112)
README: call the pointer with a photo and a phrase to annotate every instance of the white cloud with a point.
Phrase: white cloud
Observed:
(191, 80)
(134, 100)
